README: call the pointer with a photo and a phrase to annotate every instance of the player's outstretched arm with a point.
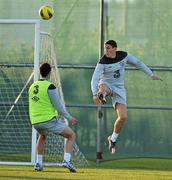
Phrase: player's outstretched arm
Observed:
(155, 77)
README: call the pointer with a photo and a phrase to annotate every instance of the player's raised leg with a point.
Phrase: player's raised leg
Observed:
(103, 92)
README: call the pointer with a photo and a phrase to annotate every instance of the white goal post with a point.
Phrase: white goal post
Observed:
(20, 56)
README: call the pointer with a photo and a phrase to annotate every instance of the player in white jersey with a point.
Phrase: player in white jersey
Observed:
(108, 80)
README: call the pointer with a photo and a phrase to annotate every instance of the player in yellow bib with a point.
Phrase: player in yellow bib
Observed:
(45, 110)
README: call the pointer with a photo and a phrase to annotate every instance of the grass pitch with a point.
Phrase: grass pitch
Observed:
(132, 169)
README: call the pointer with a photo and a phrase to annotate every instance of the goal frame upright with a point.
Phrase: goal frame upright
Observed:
(37, 31)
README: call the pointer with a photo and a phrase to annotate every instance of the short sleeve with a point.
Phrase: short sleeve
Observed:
(52, 86)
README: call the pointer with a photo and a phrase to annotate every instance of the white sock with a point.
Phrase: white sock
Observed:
(39, 159)
(114, 136)
(67, 156)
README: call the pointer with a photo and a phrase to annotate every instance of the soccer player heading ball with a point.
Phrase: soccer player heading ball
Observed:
(108, 80)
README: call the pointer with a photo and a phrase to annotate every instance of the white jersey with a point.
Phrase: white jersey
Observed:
(111, 71)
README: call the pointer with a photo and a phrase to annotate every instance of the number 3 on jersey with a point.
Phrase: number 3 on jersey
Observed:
(116, 74)
(36, 89)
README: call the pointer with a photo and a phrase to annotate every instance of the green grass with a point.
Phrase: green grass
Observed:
(134, 169)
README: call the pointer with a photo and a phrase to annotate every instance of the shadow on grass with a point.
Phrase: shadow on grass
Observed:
(137, 163)
(32, 178)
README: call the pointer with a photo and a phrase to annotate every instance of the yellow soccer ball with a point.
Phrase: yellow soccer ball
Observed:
(46, 12)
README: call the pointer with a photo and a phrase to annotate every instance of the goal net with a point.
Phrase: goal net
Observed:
(22, 45)
(54, 144)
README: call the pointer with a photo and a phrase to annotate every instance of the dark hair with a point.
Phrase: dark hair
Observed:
(112, 43)
(44, 69)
